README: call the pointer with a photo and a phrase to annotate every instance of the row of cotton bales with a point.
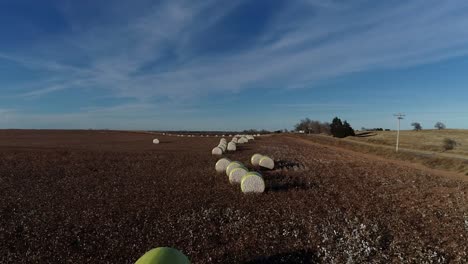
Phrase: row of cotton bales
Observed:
(262, 161)
(232, 145)
(221, 148)
(250, 181)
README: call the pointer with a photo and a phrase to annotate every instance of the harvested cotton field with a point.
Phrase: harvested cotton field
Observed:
(109, 197)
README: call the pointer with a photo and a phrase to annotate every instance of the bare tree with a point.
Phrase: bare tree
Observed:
(416, 126)
(439, 125)
(312, 127)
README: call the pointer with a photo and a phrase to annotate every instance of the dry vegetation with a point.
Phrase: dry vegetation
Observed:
(423, 147)
(108, 197)
(428, 140)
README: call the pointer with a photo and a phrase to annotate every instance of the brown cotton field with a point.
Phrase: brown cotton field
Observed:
(109, 196)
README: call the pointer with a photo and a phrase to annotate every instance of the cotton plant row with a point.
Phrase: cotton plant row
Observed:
(238, 174)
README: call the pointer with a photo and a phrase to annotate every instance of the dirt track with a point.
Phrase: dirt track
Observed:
(107, 197)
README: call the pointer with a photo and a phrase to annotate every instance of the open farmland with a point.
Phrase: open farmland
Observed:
(108, 197)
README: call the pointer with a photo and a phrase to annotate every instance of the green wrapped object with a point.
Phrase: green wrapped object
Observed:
(163, 255)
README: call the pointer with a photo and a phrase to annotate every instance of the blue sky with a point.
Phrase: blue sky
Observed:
(227, 65)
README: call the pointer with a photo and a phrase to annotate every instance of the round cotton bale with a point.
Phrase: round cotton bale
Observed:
(217, 151)
(255, 159)
(252, 182)
(155, 141)
(250, 137)
(233, 165)
(163, 255)
(231, 146)
(236, 174)
(266, 162)
(222, 164)
(222, 147)
(234, 140)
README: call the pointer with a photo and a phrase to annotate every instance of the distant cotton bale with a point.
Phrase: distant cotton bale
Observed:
(255, 159)
(234, 140)
(233, 165)
(222, 164)
(250, 137)
(236, 174)
(252, 182)
(266, 162)
(217, 151)
(231, 146)
(155, 141)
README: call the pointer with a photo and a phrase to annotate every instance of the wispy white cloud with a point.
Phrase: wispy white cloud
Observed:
(304, 42)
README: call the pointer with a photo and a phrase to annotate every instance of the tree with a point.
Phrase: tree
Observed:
(439, 125)
(336, 128)
(341, 130)
(417, 126)
(349, 131)
(312, 127)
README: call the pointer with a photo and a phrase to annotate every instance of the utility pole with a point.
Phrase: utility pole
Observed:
(399, 116)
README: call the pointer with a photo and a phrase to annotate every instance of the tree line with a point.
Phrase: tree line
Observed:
(336, 128)
(417, 126)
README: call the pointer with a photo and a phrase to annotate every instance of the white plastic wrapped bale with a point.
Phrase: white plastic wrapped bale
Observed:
(233, 165)
(255, 159)
(217, 151)
(252, 182)
(250, 137)
(231, 146)
(234, 140)
(266, 162)
(236, 174)
(222, 164)
(155, 141)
